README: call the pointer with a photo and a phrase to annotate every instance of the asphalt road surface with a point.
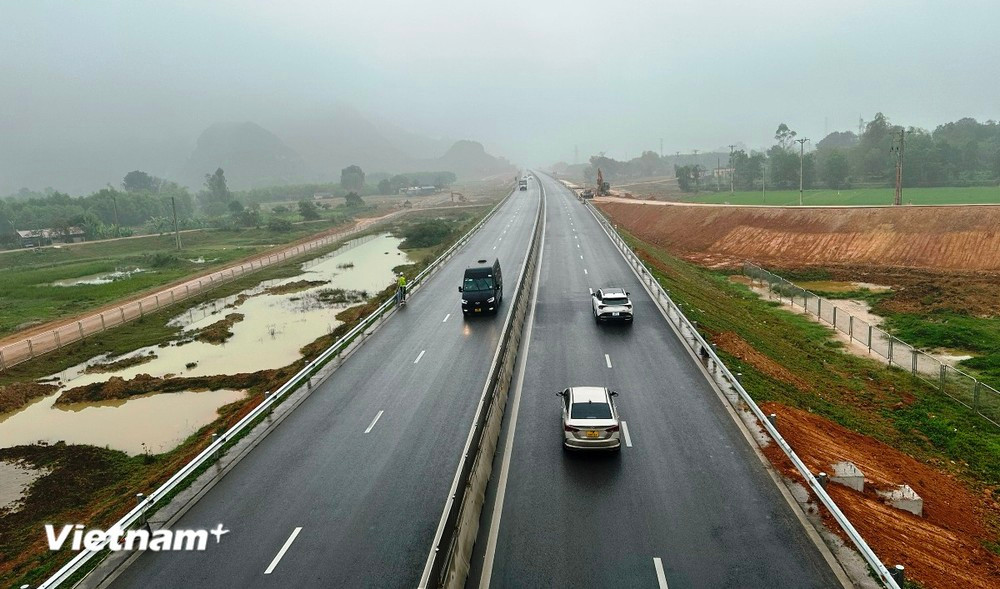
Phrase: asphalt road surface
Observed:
(349, 489)
(686, 503)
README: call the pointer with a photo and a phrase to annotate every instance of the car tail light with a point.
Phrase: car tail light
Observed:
(611, 429)
(570, 428)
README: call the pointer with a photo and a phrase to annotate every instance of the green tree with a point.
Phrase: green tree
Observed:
(784, 136)
(216, 196)
(353, 200)
(835, 169)
(352, 178)
(136, 180)
(307, 209)
(385, 186)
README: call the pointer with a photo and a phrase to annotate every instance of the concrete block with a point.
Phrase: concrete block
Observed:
(849, 475)
(905, 498)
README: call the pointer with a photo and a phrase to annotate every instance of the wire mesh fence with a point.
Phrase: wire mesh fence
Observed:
(962, 387)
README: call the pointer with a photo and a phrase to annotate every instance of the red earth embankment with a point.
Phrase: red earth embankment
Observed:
(962, 238)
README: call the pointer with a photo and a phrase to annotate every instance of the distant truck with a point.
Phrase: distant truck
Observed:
(588, 193)
(522, 184)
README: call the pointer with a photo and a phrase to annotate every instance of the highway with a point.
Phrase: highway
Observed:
(687, 503)
(348, 490)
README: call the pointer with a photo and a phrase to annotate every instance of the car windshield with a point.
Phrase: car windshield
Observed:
(477, 284)
(614, 301)
(590, 411)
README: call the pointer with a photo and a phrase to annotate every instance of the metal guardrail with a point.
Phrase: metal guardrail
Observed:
(447, 564)
(697, 343)
(213, 450)
(963, 388)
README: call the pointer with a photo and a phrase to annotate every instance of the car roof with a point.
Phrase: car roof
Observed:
(589, 394)
(615, 290)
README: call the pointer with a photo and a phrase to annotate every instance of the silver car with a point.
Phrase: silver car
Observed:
(612, 304)
(590, 418)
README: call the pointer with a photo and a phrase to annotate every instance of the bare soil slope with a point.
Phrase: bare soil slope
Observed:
(953, 238)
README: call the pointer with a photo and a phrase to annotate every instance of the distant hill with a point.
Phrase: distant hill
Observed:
(249, 154)
(468, 159)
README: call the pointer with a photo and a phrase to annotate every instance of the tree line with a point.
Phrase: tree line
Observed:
(961, 153)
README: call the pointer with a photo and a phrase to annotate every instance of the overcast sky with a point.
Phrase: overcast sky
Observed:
(528, 78)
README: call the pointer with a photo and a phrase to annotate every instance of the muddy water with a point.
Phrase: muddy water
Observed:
(274, 329)
(102, 278)
(158, 420)
(15, 479)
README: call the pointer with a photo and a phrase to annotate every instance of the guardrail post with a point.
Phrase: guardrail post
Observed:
(3, 365)
(850, 326)
(773, 419)
(215, 438)
(913, 360)
(898, 574)
(944, 372)
(890, 350)
(171, 296)
(822, 479)
(869, 339)
(140, 500)
(834, 317)
(31, 349)
(140, 309)
(819, 308)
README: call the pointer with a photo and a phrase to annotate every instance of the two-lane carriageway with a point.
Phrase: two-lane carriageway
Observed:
(348, 490)
(686, 502)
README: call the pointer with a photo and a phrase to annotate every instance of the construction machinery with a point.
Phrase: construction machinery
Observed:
(603, 188)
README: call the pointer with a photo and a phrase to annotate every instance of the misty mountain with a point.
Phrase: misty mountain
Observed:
(468, 159)
(250, 155)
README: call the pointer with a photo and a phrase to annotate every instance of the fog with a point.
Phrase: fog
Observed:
(91, 90)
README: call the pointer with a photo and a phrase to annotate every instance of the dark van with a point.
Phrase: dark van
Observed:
(482, 288)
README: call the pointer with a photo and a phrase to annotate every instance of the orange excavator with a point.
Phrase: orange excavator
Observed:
(603, 188)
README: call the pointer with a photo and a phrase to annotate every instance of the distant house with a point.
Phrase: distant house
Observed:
(40, 237)
(322, 195)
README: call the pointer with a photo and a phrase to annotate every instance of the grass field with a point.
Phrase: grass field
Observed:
(851, 197)
(28, 296)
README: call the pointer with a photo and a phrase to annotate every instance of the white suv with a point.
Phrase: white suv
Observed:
(590, 419)
(612, 304)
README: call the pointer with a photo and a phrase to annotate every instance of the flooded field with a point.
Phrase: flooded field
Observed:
(278, 317)
(15, 479)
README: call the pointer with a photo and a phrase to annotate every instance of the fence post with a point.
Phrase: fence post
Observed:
(103, 326)
(79, 325)
(140, 309)
(122, 309)
(869, 339)
(157, 297)
(890, 350)
(975, 396)
(835, 317)
(819, 308)
(913, 358)
(171, 296)
(944, 373)
(850, 326)
(31, 349)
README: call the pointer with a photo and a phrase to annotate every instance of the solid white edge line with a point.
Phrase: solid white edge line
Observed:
(419, 356)
(628, 438)
(374, 421)
(607, 359)
(508, 449)
(660, 577)
(446, 317)
(281, 552)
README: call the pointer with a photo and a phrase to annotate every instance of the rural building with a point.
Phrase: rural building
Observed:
(40, 237)
(418, 190)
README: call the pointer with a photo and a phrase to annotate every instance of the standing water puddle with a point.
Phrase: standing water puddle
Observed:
(274, 328)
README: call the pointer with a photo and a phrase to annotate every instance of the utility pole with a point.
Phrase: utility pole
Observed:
(802, 147)
(763, 180)
(177, 234)
(661, 147)
(718, 174)
(114, 200)
(898, 150)
(732, 171)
